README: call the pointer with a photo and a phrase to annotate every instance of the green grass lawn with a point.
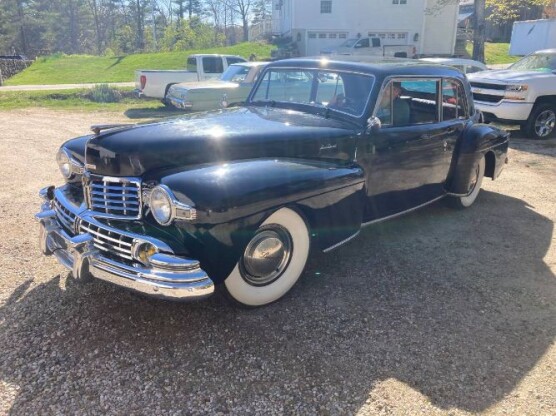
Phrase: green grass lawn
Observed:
(495, 53)
(75, 69)
(78, 100)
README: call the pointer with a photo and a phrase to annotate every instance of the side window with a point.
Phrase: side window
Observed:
(232, 60)
(363, 43)
(212, 65)
(454, 105)
(409, 102)
(330, 88)
(192, 64)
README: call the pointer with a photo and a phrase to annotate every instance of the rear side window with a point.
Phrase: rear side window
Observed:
(192, 64)
(212, 65)
(454, 105)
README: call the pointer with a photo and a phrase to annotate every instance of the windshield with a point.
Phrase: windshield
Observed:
(235, 73)
(543, 62)
(340, 91)
(349, 43)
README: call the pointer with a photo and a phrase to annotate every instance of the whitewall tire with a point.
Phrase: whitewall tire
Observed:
(272, 261)
(474, 189)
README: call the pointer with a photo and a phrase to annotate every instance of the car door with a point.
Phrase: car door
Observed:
(406, 160)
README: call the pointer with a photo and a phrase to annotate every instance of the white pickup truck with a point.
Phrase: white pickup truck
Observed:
(156, 83)
(371, 47)
(523, 94)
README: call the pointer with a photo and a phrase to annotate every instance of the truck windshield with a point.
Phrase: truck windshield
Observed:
(235, 73)
(543, 62)
(339, 91)
(349, 43)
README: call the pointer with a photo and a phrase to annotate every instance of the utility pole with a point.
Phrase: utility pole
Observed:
(479, 31)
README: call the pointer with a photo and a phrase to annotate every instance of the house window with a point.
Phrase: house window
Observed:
(332, 35)
(278, 5)
(343, 36)
(312, 35)
(399, 1)
(326, 6)
(322, 35)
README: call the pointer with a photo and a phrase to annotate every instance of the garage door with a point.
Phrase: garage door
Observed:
(319, 40)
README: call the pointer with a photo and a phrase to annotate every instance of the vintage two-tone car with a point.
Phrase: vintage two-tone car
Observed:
(238, 197)
(234, 86)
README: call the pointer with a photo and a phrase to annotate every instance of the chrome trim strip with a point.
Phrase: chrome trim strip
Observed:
(403, 212)
(341, 243)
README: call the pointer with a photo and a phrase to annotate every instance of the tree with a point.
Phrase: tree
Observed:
(262, 10)
(243, 7)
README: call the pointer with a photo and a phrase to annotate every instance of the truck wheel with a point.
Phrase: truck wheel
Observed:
(461, 202)
(272, 261)
(165, 100)
(541, 122)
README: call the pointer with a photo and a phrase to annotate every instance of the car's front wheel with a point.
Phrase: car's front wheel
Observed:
(272, 261)
(462, 202)
(541, 123)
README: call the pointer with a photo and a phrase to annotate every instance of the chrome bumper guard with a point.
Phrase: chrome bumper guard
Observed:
(167, 276)
(180, 103)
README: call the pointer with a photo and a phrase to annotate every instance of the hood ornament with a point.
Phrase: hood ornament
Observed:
(97, 128)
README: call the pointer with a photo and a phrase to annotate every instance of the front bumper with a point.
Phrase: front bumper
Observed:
(168, 276)
(505, 111)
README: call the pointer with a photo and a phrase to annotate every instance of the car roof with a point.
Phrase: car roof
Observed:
(381, 67)
(454, 61)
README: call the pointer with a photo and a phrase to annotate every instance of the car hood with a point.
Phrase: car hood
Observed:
(508, 76)
(206, 85)
(219, 136)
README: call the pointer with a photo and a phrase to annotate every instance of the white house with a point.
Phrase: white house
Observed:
(429, 25)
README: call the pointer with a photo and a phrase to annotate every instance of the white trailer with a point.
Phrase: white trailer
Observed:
(532, 35)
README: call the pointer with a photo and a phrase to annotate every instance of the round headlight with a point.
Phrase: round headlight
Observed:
(64, 163)
(161, 205)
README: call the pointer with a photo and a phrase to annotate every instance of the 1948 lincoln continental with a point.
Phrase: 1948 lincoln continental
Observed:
(238, 196)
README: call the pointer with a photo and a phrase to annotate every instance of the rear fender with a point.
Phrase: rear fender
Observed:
(477, 141)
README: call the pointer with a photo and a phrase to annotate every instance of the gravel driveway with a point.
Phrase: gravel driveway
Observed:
(438, 312)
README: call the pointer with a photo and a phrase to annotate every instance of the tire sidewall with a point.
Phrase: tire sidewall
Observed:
(243, 292)
(468, 200)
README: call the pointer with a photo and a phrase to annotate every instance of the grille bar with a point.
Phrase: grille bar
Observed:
(114, 244)
(65, 216)
(114, 197)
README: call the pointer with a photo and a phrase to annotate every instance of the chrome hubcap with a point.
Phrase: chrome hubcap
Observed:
(544, 124)
(267, 256)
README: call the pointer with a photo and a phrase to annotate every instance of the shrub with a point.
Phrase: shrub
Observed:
(103, 93)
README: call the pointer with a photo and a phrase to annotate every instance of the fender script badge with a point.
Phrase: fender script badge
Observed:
(328, 147)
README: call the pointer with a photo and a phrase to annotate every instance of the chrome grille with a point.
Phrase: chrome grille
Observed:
(65, 216)
(112, 243)
(114, 197)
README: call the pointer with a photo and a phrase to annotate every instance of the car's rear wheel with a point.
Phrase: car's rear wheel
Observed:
(272, 261)
(541, 123)
(462, 202)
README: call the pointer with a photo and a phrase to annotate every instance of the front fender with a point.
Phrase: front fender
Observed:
(476, 141)
(233, 199)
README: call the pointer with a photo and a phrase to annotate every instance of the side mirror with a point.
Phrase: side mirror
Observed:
(373, 125)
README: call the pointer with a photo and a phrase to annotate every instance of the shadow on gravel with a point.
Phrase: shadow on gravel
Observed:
(458, 305)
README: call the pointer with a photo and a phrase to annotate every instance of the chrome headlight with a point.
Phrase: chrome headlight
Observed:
(161, 205)
(166, 208)
(70, 168)
(64, 163)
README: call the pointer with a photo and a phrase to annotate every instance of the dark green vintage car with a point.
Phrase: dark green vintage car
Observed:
(239, 196)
